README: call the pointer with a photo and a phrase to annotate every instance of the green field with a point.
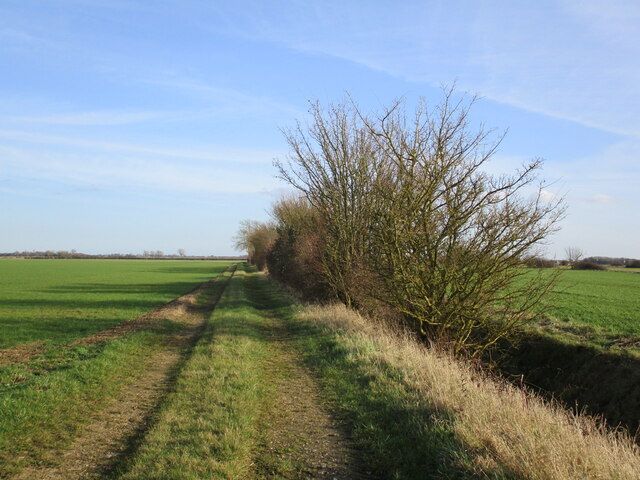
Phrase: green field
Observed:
(598, 306)
(56, 301)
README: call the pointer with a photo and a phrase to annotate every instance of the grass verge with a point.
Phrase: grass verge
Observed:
(419, 414)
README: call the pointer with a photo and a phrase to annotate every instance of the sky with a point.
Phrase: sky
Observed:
(134, 125)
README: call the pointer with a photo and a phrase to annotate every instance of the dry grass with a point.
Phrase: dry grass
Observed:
(502, 428)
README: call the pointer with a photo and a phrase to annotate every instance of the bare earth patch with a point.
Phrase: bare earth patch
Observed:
(20, 353)
(104, 441)
(302, 438)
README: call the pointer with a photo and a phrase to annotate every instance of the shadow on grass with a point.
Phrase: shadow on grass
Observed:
(91, 296)
(583, 378)
(68, 312)
(195, 269)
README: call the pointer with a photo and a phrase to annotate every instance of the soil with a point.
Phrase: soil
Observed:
(103, 442)
(21, 353)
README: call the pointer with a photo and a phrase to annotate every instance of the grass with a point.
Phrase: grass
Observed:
(585, 349)
(419, 414)
(208, 426)
(43, 411)
(413, 413)
(596, 308)
(606, 301)
(57, 301)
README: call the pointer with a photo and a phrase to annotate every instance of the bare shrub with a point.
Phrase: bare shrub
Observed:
(256, 238)
(295, 257)
(413, 221)
(334, 163)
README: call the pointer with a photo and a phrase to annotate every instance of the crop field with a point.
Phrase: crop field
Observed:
(598, 305)
(57, 301)
(51, 386)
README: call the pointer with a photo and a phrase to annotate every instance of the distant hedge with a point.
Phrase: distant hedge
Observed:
(587, 265)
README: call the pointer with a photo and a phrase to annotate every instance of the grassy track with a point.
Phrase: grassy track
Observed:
(233, 413)
(208, 425)
(56, 301)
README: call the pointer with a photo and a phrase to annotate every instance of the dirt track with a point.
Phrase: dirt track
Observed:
(301, 438)
(300, 429)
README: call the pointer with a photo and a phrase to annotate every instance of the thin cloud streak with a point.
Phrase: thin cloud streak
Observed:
(130, 172)
(602, 199)
(591, 80)
(226, 95)
(216, 155)
(96, 118)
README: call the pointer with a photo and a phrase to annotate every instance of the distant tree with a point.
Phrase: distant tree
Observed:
(539, 262)
(573, 254)
(181, 252)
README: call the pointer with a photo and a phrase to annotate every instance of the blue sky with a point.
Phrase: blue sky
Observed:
(135, 125)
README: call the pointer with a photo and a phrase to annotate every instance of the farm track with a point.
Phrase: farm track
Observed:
(300, 429)
(25, 352)
(115, 430)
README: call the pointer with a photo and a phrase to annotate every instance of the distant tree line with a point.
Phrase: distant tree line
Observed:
(396, 216)
(587, 263)
(147, 254)
(615, 261)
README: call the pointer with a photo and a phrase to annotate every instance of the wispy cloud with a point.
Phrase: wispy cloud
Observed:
(573, 61)
(96, 118)
(108, 172)
(212, 154)
(602, 199)
(236, 98)
(13, 39)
